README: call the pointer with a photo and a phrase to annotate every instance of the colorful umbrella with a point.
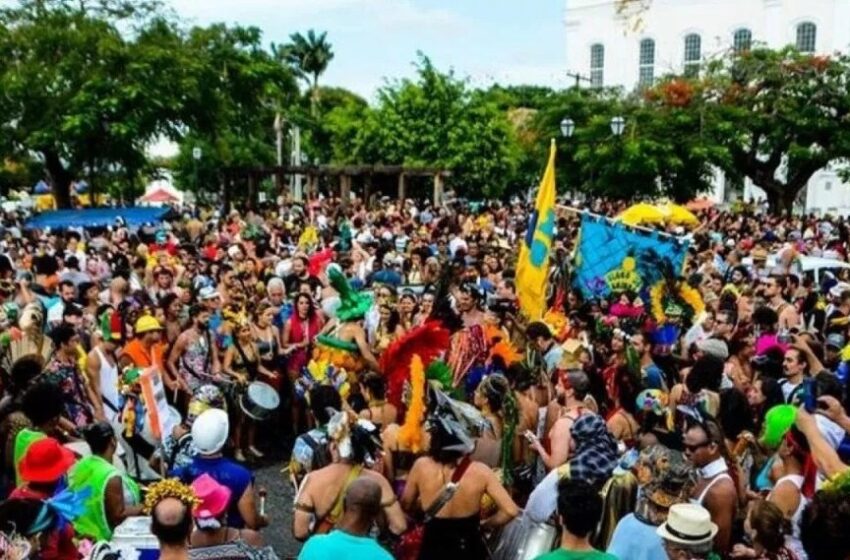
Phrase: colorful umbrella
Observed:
(679, 215)
(642, 213)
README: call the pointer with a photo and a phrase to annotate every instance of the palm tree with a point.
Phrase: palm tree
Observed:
(309, 57)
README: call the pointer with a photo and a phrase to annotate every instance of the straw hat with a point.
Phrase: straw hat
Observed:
(688, 524)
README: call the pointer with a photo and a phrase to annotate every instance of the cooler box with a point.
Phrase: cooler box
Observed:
(135, 532)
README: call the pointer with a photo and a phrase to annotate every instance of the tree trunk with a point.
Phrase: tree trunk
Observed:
(252, 192)
(314, 96)
(788, 198)
(773, 204)
(60, 178)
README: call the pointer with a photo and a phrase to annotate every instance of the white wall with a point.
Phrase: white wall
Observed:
(667, 22)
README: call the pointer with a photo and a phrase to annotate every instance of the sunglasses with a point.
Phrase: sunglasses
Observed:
(695, 447)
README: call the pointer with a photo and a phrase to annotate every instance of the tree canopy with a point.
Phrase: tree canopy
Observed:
(435, 120)
(82, 95)
(780, 115)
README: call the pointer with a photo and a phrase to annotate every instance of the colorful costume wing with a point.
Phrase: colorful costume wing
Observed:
(428, 341)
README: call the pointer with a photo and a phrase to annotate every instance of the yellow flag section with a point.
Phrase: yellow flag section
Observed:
(533, 266)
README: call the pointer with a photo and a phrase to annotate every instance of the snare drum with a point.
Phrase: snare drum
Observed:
(259, 400)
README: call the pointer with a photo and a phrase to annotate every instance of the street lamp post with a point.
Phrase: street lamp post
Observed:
(568, 127)
(618, 125)
(196, 158)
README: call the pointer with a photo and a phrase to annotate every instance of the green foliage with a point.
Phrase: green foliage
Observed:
(434, 121)
(79, 93)
(309, 57)
(780, 115)
(230, 107)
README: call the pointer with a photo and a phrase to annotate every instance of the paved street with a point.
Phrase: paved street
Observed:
(279, 509)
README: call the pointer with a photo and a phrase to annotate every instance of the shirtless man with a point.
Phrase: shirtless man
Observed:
(322, 491)
(774, 288)
(573, 386)
(715, 490)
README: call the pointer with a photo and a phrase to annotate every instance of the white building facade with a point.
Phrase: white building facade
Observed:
(675, 36)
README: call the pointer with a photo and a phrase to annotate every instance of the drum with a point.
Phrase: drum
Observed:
(524, 539)
(259, 400)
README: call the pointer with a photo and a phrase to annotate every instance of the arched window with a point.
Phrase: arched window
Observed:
(597, 65)
(742, 40)
(807, 33)
(693, 54)
(647, 63)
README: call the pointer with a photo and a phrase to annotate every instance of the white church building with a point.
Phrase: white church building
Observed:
(674, 36)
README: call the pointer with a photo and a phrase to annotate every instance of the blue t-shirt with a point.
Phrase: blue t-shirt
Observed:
(338, 544)
(636, 540)
(227, 473)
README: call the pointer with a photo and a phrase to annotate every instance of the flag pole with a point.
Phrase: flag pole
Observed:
(613, 221)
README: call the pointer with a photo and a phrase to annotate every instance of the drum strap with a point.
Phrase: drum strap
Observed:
(448, 491)
(250, 366)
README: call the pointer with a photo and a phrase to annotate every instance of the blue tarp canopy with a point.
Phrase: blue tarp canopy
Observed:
(134, 217)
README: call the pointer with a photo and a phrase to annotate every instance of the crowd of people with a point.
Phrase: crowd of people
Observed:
(384, 352)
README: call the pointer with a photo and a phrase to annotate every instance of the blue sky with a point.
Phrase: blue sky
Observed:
(504, 41)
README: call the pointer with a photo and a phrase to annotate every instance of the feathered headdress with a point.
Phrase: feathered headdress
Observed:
(501, 347)
(353, 305)
(357, 439)
(427, 341)
(235, 318)
(321, 372)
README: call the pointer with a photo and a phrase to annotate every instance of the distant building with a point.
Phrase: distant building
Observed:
(675, 36)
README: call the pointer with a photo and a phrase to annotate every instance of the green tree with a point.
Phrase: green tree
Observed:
(781, 116)
(81, 94)
(237, 88)
(663, 150)
(309, 55)
(434, 121)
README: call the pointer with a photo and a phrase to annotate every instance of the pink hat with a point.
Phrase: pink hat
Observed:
(214, 497)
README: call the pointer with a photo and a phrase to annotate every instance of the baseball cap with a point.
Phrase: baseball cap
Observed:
(207, 293)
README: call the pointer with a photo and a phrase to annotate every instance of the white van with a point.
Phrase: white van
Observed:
(817, 266)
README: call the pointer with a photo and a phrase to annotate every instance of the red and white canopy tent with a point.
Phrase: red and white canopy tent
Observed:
(159, 193)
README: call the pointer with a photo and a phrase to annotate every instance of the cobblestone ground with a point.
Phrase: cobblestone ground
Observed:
(279, 509)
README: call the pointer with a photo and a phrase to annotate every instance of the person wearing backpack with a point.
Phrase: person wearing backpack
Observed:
(319, 504)
(311, 451)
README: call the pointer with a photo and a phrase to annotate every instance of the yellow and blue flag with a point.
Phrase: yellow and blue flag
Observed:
(533, 266)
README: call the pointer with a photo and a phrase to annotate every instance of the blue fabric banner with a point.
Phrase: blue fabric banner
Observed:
(613, 257)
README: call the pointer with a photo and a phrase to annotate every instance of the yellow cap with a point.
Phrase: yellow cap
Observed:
(147, 324)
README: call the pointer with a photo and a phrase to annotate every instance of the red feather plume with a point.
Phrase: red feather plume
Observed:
(429, 341)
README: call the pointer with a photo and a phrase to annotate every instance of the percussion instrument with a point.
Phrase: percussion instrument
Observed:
(524, 539)
(259, 400)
